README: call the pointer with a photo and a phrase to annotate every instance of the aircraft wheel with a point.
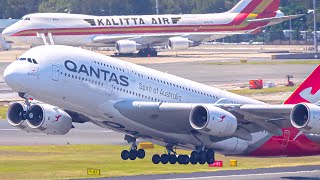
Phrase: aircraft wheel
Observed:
(195, 155)
(153, 53)
(202, 157)
(210, 154)
(173, 159)
(125, 155)
(164, 159)
(210, 161)
(141, 154)
(133, 155)
(186, 159)
(193, 160)
(156, 159)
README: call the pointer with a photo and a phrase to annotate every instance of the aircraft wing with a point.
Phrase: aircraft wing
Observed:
(160, 39)
(276, 19)
(174, 117)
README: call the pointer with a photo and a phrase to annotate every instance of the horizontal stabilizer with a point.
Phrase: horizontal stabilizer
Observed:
(276, 19)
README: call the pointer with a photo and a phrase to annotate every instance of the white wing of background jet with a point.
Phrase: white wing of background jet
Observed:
(174, 117)
(158, 39)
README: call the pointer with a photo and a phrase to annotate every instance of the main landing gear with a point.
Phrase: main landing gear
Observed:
(147, 52)
(134, 152)
(200, 156)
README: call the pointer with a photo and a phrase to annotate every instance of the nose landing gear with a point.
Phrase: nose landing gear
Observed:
(134, 152)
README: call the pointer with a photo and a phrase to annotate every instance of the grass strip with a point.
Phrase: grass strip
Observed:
(279, 89)
(72, 161)
(3, 112)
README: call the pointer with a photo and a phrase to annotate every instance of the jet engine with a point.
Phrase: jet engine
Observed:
(306, 118)
(213, 121)
(17, 116)
(43, 118)
(126, 46)
(179, 43)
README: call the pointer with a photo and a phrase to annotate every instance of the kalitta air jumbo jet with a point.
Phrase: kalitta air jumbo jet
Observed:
(143, 33)
(63, 85)
(132, 33)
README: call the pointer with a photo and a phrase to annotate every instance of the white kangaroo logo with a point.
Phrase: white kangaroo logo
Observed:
(308, 96)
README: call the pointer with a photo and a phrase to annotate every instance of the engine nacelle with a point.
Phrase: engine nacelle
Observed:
(49, 119)
(306, 118)
(179, 43)
(17, 118)
(213, 121)
(126, 46)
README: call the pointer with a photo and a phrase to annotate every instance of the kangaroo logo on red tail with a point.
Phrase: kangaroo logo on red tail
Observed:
(308, 96)
(308, 91)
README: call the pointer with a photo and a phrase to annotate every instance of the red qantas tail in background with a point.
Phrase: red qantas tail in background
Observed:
(256, 6)
(308, 91)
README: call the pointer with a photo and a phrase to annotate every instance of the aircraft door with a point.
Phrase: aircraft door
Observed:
(109, 88)
(286, 136)
(55, 72)
(130, 73)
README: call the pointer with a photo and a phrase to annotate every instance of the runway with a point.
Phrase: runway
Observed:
(87, 133)
(286, 173)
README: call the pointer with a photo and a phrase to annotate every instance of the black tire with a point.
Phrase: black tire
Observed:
(153, 53)
(210, 154)
(156, 159)
(210, 161)
(173, 159)
(186, 159)
(193, 161)
(133, 155)
(164, 159)
(195, 155)
(180, 159)
(202, 157)
(125, 155)
(141, 154)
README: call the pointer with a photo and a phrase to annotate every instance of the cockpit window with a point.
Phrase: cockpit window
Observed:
(30, 60)
(34, 61)
(27, 19)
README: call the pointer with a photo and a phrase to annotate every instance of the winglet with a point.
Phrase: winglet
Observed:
(308, 91)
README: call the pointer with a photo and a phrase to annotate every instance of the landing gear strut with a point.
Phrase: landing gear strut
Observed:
(134, 152)
(147, 52)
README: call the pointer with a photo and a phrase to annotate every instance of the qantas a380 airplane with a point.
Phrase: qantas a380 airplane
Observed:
(64, 85)
(132, 33)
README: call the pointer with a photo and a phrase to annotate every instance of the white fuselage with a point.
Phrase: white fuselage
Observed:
(93, 84)
(80, 30)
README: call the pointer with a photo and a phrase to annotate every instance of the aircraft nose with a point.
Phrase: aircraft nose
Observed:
(10, 75)
(7, 32)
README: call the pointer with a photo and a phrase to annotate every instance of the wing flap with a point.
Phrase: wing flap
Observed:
(174, 117)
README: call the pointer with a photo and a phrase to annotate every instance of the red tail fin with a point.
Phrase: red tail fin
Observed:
(308, 91)
(256, 6)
